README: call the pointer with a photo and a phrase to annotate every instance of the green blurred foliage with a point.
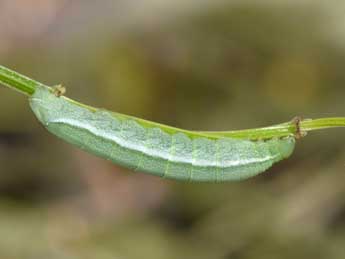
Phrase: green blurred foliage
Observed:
(228, 67)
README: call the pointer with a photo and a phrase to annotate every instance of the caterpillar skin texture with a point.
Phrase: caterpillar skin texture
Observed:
(148, 148)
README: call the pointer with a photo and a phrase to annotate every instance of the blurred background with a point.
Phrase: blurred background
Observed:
(196, 64)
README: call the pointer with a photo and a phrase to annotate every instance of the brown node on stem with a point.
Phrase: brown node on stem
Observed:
(299, 133)
(59, 90)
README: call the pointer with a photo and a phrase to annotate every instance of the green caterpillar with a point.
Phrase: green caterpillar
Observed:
(154, 148)
(158, 149)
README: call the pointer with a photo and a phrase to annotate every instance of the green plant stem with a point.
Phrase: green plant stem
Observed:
(17, 81)
(28, 86)
(283, 129)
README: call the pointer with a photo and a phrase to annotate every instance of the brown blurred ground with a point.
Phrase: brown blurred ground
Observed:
(211, 65)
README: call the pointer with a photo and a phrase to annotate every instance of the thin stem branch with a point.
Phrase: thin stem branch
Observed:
(282, 130)
(17, 81)
(295, 127)
(323, 123)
